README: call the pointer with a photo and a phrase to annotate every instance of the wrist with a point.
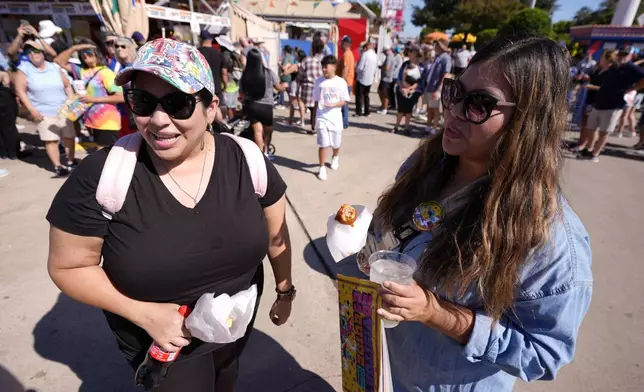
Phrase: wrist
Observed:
(286, 296)
(452, 320)
(137, 313)
(435, 312)
(284, 286)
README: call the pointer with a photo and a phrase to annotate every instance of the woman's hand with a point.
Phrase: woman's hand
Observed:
(88, 99)
(27, 30)
(165, 326)
(36, 116)
(280, 311)
(407, 303)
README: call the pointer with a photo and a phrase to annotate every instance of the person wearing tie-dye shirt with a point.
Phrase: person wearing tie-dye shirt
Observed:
(103, 118)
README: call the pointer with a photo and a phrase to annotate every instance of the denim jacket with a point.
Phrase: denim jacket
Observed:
(531, 343)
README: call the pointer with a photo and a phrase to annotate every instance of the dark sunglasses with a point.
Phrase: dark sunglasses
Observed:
(120, 46)
(32, 50)
(477, 105)
(87, 52)
(109, 43)
(178, 105)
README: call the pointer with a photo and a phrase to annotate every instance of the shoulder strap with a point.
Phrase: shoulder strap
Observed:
(255, 161)
(93, 76)
(120, 163)
(117, 174)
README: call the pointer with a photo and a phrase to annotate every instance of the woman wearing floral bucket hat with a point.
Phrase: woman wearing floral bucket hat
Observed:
(191, 224)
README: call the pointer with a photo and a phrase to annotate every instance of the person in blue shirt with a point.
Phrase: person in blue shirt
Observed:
(43, 89)
(504, 278)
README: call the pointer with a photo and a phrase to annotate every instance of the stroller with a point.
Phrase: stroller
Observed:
(240, 126)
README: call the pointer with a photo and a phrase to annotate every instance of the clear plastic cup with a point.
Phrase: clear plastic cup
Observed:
(394, 267)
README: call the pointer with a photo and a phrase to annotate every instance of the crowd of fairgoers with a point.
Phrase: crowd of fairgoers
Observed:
(470, 178)
(42, 76)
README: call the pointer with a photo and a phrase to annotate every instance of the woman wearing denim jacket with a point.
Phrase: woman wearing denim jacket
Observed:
(504, 277)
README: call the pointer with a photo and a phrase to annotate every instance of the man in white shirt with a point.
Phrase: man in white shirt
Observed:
(330, 95)
(365, 75)
(461, 60)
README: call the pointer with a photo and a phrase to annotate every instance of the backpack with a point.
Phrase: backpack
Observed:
(236, 67)
(121, 161)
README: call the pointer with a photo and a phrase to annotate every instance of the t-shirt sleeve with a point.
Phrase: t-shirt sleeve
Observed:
(274, 78)
(108, 81)
(637, 73)
(448, 66)
(276, 187)
(23, 67)
(317, 91)
(75, 209)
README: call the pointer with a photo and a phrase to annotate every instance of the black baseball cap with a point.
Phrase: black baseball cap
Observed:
(205, 34)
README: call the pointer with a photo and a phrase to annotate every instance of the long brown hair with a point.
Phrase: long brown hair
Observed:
(483, 244)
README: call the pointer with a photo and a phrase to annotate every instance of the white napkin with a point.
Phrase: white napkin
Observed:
(345, 240)
(223, 319)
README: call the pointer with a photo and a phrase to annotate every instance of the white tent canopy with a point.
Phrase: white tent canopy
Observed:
(310, 25)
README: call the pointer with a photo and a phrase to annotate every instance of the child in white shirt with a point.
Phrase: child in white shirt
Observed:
(330, 93)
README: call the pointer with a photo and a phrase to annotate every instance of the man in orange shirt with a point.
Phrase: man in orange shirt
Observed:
(347, 69)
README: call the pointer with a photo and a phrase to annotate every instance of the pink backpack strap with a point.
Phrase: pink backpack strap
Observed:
(117, 174)
(256, 163)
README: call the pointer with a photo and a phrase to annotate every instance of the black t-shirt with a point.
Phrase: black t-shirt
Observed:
(596, 79)
(615, 83)
(216, 61)
(158, 250)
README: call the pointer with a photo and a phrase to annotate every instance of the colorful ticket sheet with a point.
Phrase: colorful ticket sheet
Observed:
(359, 334)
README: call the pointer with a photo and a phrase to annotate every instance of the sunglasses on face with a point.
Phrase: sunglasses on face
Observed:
(178, 105)
(109, 43)
(120, 46)
(29, 51)
(477, 105)
(87, 53)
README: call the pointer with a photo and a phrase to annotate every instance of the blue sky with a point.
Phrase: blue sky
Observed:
(567, 9)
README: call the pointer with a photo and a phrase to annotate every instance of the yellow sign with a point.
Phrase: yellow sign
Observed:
(359, 334)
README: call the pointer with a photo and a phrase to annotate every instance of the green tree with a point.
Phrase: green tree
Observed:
(562, 27)
(425, 30)
(478, 15)
(485, 36)
(561, 30)
(583, 15)
(374, 6)
(602, 15)
(436, 14)
(550, 6)
(533, 20)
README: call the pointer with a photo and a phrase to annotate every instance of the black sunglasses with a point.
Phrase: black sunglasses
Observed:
(120, 46)
(32, 50)
(178, 105)
(477, 105)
